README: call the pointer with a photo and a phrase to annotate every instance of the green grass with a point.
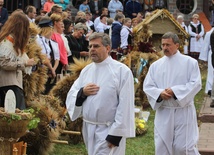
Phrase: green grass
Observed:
(141, 145)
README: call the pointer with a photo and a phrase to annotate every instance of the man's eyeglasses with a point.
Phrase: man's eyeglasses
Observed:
(94, 45)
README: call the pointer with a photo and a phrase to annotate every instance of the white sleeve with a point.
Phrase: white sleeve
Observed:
(124, 34)
(73, 110)
(55, 49)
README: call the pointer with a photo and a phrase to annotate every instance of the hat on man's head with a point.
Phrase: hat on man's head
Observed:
(45, 23)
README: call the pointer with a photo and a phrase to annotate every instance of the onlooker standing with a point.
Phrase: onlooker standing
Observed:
(180, 20)
(89, 23)
(114, 6)
(84, 7)
(97, 20)
(31, 13)
(57, 9)
(101, 98)
(171, 91)
(133, 8)
(56, 36)
(212, 59)
(3, 14)
(206, 55)
(95, 6)
(135, 21)
(102, 26)
(76, 42)
(62, 3)
(48, 5)
(126, 36)
(69, 26)
(50, 49)
(211, 8)
(68, 10)
(196, 31)
(13, 59)
(115, 34)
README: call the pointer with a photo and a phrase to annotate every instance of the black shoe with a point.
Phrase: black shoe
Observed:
(209, 93)
(212, 104)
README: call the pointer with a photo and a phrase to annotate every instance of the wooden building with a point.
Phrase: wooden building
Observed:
(161, 21)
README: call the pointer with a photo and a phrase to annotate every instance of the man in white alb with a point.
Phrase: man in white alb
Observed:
(171, 85)
(104, 96)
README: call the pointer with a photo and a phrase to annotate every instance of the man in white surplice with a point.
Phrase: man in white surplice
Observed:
(104, 96)
(170, 85)
(205, 55)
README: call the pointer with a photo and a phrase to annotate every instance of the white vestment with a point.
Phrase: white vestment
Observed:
(110, 111)
(205, 55)
(196, 45)
(176, 131)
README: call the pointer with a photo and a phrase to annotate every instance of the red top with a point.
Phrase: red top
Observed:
(48, 6)
(62, 50)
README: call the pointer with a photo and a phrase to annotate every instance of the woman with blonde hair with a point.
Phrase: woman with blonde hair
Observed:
(56, 36)
(13, 59)
(50, 49)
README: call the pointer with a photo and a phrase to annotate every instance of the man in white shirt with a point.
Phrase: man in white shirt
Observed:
(97, 20)
(102, 26)
(103, 101)
(171, 91)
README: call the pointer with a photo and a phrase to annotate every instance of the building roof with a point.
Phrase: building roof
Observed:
(161, 21)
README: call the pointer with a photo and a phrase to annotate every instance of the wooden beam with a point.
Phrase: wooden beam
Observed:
(59, 141)
(71, 132)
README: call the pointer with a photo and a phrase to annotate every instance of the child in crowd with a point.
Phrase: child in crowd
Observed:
(84, 6)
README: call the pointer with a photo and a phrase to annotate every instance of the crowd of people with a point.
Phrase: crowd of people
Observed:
(104, 32)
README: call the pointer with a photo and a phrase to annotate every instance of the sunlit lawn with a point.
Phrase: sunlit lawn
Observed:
(141, 145)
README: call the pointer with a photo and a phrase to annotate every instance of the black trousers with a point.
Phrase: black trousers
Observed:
(20, 100)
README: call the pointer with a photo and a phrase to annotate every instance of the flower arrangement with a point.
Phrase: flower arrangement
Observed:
(140, 126)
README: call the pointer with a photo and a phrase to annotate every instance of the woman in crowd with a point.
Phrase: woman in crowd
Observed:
(50, 49)
(196, 31)
(68, 26)
(48, 5)
(56, 36)
(76, 42)
(13, 59)
(180, 20)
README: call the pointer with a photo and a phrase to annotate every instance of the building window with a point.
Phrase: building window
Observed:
(186, 6)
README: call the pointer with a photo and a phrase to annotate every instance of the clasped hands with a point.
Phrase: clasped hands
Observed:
(167, 94)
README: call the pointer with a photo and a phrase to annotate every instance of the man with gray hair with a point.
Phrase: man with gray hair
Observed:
(104, 96)
(171, 85)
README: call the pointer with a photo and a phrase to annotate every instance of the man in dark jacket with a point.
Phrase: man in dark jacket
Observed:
(3, 14)
(132, 8)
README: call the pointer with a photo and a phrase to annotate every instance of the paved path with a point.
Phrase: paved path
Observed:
(206, 130)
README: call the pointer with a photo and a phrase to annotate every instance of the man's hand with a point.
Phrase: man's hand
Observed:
(167, 94)
(110, 145)
(169, 91)
(90, 89)
(84, 54)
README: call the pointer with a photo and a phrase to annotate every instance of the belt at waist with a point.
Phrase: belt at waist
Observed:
(97, 123)
(175, 107)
